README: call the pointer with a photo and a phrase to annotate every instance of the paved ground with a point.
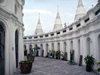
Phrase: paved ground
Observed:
(46, 66)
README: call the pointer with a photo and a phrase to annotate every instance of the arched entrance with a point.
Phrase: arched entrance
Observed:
(47, 49)
(71, 45)
(88, 45)
(58, 46)
(2, 50)
(24, 47)
(30, 46)
(99, 46)
(64, 47)
(16, 47)
(42, 52)
(78, 49)
(52, 46)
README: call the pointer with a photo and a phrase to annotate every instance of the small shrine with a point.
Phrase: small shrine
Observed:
(71, 62)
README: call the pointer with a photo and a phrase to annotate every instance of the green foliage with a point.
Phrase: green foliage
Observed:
(25, 61)
(53, 51)
(98, 70)
(89, 60)
(98, 64)
(62, 54)
(57, 53)
(36, 47)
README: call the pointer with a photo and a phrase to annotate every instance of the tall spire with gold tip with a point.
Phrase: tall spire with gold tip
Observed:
(80, 11)
(38, 29)
(58, 23)
(39, 19)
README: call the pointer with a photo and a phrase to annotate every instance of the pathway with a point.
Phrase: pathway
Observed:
(46, 66)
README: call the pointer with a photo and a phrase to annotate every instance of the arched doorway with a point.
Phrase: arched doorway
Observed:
(42, 51)
(78, 49)
(99, 46)
(52, 46)
(24, 47)
(58, 46)
(88, 45)
(71, 45)
(16, 47)
(30, 46)
(2, 50)
(41, 47)
(64, 47)
(47, 49)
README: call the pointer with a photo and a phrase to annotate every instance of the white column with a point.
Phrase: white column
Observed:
(61, 32)
(38, 46)
(39, 49)
(12, 49)
(75, 47)
(91, 15)
(67, 29)
(49, 35)
(32, 45)
(27, 47)
(61, 46)
(83, 50)
(21, 51)
(91, 44)
(74, 27)
(82, 22)
(50, 46)
(41, 46)
(68, 49)
(7, 51)
(66, 46)
(55, 34)
(44, 48)
(55, 46)
(95, 51)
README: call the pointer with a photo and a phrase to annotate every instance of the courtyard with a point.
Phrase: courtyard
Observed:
(47, 66)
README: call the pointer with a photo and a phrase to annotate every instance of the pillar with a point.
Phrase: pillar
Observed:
(44, 48)
(55, 46)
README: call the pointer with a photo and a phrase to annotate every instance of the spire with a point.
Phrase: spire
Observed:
(58, 23)
(80, 4)
(38, 29)
(57, 9)
(58, 16)
(39, 19)
(80, 10)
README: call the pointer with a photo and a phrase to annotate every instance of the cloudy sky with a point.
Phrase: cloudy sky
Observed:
(48, 10)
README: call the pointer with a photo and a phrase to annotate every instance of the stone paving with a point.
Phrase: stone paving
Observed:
(47, 66)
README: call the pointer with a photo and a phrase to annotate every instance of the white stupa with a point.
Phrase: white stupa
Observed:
(80, 11)
(58, 23)
(38, 29)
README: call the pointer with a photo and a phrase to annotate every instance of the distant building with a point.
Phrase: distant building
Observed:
(11, 35)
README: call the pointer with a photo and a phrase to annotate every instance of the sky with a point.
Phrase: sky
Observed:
(48, 11)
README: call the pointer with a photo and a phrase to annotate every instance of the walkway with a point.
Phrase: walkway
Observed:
(46, 66)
